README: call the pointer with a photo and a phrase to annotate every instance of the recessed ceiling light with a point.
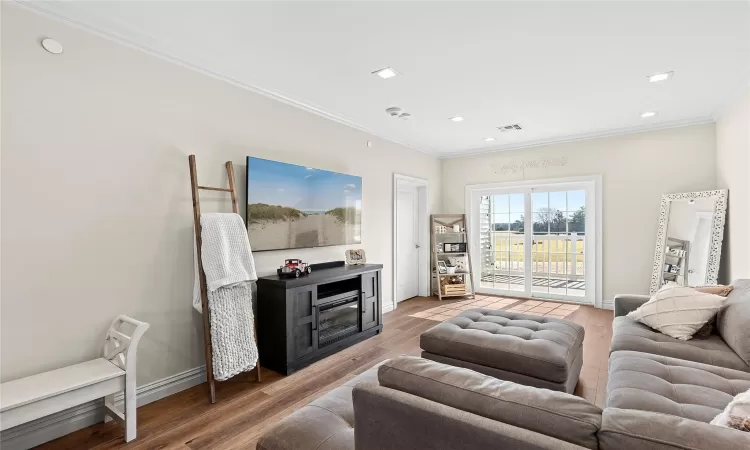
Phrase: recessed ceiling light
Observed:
(457, 118)
(648, 114)
(489, 139)
(657, 77)
(387, 72)
(52, 46)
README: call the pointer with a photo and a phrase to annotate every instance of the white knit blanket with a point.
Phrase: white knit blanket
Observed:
(225, 253)
(232, 338)
(229, 267)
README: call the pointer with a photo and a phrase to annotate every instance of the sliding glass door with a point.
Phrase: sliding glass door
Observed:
(535, 239)
(502, 251)
(558, 247)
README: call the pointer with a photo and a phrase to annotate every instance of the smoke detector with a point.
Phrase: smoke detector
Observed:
(507, 128)
(394, 111)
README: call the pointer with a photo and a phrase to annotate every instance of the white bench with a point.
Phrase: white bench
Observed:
(30, 398)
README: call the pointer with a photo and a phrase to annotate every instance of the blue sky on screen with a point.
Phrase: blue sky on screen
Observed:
(300, 187)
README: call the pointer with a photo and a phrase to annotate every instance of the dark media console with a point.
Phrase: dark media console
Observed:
(302, 320)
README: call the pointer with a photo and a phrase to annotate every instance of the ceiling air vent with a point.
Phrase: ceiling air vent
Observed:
(507, 128)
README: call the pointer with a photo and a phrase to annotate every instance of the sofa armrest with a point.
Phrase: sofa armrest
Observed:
(628, 428)
(625, 303)
(385, 418)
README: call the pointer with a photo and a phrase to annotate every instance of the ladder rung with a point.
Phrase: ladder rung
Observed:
(209, 188)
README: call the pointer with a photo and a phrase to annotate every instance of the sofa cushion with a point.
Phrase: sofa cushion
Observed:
(630, 335)
(642, 430)
(678, 311)
(326, 423)
(556, 414)
(733, 320)
(671, 386)
(540, 347)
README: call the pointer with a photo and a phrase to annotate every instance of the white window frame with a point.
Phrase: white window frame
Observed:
(593, 186)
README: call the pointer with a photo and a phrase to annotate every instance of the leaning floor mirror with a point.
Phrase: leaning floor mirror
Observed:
(688, 244)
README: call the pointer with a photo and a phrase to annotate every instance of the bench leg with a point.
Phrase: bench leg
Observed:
(130, 424)
(110, 411)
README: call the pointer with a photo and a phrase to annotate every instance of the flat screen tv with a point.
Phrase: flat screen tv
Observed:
(291, 206)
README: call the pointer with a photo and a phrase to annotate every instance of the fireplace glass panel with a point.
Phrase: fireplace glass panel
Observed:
(338, 321)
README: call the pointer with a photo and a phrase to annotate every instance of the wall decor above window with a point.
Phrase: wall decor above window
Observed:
(529, 164)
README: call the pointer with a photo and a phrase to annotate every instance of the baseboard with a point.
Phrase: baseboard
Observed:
(610, 304)
(388, 307)
(59, 424)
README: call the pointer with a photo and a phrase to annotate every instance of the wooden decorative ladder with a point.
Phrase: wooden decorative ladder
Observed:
(204, 290)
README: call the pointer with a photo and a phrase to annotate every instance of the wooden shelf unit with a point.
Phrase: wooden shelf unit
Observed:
(679, 277)
(451, 237)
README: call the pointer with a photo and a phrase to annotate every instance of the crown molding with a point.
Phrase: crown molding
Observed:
(278, 96)
(582, 137)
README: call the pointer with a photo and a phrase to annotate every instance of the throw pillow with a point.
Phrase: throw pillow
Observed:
(678, 311)
(737, 413)
(719, 289)
(708, 329)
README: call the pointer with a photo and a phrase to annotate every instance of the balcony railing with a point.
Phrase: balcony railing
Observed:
(561, 255)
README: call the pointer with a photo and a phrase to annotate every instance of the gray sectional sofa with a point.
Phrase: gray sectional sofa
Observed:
(661, 394)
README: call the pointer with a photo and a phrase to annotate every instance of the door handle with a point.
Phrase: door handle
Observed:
(416, 245)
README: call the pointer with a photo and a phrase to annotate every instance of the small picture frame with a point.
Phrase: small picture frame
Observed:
(458, 247)
(442, 267)
(355, 257)
(460, 264)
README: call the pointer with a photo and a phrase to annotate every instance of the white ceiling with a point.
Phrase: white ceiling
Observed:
(563, 70)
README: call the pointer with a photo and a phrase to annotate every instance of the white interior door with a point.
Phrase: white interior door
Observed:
(407, 261)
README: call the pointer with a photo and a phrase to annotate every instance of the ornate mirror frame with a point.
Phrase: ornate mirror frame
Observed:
(717, 234)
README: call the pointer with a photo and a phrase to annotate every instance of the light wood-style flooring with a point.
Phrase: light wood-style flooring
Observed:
(245, 408)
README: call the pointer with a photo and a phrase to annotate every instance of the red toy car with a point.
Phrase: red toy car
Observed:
(293, 268)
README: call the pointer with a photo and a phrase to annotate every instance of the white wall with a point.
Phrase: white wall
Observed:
(636, 170)
(97, 213)
(733, 173)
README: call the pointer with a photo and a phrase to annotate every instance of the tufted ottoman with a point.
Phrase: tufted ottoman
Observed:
(536, 351)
